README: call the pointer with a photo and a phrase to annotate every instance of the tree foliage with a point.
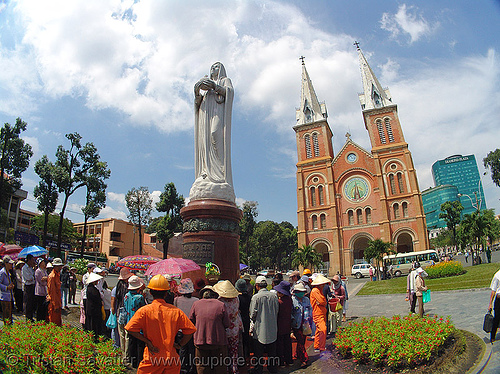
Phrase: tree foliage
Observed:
(492, 161)
(166, 226)
(15, 156)
(68, 233)
(139, 204)
(45, 191)
(452, 212)
(72, 168)
(247, 226)
(306, 256)
(376, 250)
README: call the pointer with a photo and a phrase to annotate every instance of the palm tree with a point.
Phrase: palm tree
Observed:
(376, 250)
(306, 256)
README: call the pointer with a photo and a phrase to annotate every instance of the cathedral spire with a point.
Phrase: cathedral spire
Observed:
(310, 110)
(373, 96)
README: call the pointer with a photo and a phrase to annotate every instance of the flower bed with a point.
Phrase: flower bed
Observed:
(445, 269)
(27, 347)
(398, 342)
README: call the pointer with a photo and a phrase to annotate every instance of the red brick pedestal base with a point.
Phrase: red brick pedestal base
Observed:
(211, 233)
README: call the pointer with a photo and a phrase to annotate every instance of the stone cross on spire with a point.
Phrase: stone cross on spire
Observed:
(302, 58)
(356, 44)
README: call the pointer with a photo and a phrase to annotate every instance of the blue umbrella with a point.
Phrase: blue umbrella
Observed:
(34, 250)
(243, 266)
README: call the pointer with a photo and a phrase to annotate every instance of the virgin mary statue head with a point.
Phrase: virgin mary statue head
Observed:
(217, 71)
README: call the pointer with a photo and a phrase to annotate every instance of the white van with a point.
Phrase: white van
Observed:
(361, 270)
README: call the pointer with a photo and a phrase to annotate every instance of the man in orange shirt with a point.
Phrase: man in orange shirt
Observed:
(54, 292)
(159, 323)
(318, 303)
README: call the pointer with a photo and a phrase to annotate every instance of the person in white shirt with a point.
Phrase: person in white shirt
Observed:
(28, 275)
(495, 304)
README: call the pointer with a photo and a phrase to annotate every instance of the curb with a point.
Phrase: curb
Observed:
(479, 368)
(447, 291)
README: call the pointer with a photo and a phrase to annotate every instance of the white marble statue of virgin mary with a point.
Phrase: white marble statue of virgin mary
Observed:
(212, 136)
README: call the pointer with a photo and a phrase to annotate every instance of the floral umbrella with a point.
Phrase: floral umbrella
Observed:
(137, 262)
(172, 266)
(10, 249)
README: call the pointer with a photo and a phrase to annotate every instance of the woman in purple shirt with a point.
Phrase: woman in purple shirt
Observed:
(41, 305)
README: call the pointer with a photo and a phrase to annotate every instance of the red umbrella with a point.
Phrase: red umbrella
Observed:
(10, 249)
(172, 266)
(137, 262)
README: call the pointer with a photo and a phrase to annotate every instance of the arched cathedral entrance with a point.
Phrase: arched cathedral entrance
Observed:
(358, 248)
(322, 248)
(404, 243)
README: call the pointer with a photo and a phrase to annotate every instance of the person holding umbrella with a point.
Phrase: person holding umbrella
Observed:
(6, 287)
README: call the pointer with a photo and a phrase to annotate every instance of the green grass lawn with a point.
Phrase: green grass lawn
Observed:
(478, 276)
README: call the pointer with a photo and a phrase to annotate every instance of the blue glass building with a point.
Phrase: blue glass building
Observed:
(432, 199)
(462, 172)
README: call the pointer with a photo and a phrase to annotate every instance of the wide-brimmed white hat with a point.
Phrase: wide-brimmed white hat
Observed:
(134, 282)
(93, 277)
(299, 287)
(320, 279)
(97, 270)
(57, 262)
(226, 289)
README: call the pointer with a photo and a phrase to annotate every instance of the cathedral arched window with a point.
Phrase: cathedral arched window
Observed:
(350, 217)
(368, 215)
(322, 221)
(400, 183)
(359, 216)
(381, 133)
(392, 184)
(307, 139)
(395, 208)
(315, 222)
(321, 197)
(315, 145)
(313, 196)
(405, 209)
(388, 128)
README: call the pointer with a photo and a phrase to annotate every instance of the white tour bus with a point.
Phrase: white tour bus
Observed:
(401, 262)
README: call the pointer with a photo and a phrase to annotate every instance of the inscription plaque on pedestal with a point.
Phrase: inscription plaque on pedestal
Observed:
(199, 252)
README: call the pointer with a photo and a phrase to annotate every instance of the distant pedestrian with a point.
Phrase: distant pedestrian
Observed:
(301, 320)
(410, 287)
(54, 293)
(117, 295)
(339, 293)
(466, 256)
(6, 288)
(495, 304)
(284, 341)
(211, 320)
(65, 287)
(132, 301)
(90, 268)
(318, 303)
(264, 314)
(488, 255)
(94, 306)
(229, 296)
(370, 272)
(28, 273)
(419, 289)
(72, 286)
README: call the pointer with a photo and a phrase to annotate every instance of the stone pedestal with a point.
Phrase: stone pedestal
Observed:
(211, 233)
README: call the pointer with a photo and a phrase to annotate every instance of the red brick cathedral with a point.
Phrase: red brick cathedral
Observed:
(344, 200)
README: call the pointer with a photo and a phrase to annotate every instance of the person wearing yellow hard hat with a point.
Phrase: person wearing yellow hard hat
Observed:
(307, 272)
(159, 323)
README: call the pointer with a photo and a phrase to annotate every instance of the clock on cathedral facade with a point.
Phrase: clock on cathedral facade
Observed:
(346, 199)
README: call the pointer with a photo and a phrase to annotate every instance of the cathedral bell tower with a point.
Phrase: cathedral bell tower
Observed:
(315, 189)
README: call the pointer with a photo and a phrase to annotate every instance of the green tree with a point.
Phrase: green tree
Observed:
(492, 161)
(247, 227)
(68, 233)
(14, 157)
(452, 211)
(45, 191)
(376, 250)
(95, 198)
(306, 256)
(71, 170)
(139, 204)
(289, 244)
(443, 239)
(166, 226)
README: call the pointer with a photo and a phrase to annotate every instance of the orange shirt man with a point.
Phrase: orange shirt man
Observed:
(159, 323)
(54, 293)
(318, 303)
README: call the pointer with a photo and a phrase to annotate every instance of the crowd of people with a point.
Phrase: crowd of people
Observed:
(208, 328)
(35, 287)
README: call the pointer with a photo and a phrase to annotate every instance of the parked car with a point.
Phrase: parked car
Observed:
(268, 273)
(361, 270)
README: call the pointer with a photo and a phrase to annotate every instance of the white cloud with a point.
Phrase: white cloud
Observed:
(109, 212)
(155, 195)
(116, 197)
(407, 21)
(35, 146)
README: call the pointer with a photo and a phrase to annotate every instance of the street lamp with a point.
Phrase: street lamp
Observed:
(477, 206)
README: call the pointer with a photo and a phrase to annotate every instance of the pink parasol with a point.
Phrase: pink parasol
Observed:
(172, 266)
(137, 262)
(10, 249)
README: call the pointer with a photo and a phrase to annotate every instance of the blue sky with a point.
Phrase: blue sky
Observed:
(121, 73)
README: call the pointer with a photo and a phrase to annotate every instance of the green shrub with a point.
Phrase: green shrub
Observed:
(27, 347)
(445, 269)
(399, 342)
(80, 264)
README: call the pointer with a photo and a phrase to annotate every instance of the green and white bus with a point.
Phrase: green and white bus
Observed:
(401, 262)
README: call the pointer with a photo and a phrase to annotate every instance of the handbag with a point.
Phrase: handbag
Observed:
(338, 307)
(111, 323)
(488, 322)
(426, 296)
(306, 328)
